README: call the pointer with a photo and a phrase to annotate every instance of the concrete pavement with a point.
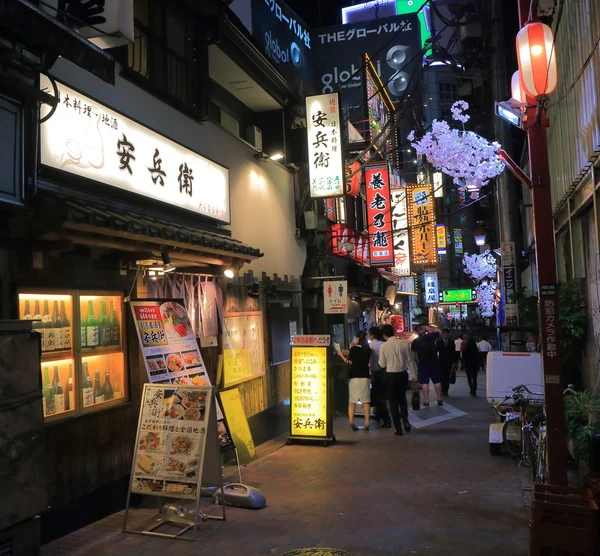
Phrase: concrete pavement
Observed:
(434, 491)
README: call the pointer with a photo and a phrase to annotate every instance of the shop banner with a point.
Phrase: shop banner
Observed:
(441, 238)
(335, 296)
(238, 423)
(309, 392)
(311, 340)
(325, 160)
(401, 253)
(171, 441)
(458, 243)
(431, 287)
(208, 308)
(243, 347)
(347, 242)
(379, 214)
(86, 138)
(170, 349)
(421, 219)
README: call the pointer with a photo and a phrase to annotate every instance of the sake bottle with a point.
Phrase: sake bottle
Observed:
(92, 327)
(47, 394)
(105, 326)
(98, 391)
(87, 387)
(66, 326)
(114, 326)
(70, 392)
(47, 329)
(59, 394)
(58, 327)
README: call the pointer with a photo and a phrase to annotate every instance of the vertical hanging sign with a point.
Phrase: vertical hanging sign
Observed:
(421, 219)
(379, 214)
(458, 243)
(441, 238)
(400, 232)
(431, 287)
(325, 162)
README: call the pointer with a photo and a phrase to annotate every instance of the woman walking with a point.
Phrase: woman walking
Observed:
(358, 386)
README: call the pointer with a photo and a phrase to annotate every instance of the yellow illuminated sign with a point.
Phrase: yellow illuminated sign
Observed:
(421, 221)
(441, 237)
(309, 391)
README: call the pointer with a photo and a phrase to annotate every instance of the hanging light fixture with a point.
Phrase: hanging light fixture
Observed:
(479, 234)
(516, 90)
(536, 55)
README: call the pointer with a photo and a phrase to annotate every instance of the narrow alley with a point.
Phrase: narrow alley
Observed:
(434, 491)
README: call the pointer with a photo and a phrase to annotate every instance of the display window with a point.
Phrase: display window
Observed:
(83, 363)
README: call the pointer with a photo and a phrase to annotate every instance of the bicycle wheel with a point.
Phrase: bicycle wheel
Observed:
(531, 451)
(511, 437)
(542, 458)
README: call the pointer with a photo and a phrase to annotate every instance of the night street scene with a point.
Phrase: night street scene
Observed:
(313, 277)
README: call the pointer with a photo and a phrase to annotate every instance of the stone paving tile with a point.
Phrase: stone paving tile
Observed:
(436, 491)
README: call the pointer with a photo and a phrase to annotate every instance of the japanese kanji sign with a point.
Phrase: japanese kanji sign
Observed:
(421, 219)
(400, 232)
(347, 242)
(441, 238)
(311, 340)
(379, 214)
(431, 287)
(335, 296)
(325, 160)
(88, 139)
(309, 391)
(458, 242)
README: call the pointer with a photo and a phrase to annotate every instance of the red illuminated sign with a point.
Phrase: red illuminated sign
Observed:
(379, 214)
(347, 242)
(353, 175)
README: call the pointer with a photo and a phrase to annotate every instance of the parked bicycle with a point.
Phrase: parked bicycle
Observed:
(524, 429)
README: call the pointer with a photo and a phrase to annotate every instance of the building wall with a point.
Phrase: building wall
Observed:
(262, 193)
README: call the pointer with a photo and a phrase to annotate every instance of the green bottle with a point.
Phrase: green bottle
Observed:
(47, 394)
(59, 393)
(87, 387)
(114, 326)
(58, 327)
(66, 324)
(92, 327)
(105, 327)
(48, 343)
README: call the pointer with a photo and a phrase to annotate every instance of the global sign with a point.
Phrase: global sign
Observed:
(458, 296)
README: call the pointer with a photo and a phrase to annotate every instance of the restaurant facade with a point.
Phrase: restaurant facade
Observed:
(129, 188)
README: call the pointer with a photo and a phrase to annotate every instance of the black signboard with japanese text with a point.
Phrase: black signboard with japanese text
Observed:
(392, 43)
(286, 40)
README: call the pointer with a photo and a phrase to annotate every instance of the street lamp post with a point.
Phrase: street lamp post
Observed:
(537, 69)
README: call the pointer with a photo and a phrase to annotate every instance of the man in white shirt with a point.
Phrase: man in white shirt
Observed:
(378, 393)
(458, 344)
(398, 360)
(484, 347)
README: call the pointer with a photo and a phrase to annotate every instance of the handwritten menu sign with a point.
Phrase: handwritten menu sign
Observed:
(309, 391)
(171, 440)
(243, 347)
(170, 349)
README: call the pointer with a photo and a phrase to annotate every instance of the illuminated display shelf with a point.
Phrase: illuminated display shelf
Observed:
(101, 350)
(60, 355)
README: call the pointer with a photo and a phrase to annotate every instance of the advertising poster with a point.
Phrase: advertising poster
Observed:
(431, 287)
(243, 347)
(379, 214)
(421, 219)
(170, 349)
(238, 423)
(441, 238)
(335, 295)
(458, 243)
(325, 156)
(171, 440)
(309, 391)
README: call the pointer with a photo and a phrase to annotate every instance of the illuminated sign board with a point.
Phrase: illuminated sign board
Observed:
(431, 287)
(379, 108)
(458, 242)
(458, 296)
(325, 161)
(88, 139)
(401, 236)
(441, 238)
(311, 417)
(421, 220)
(379, 213)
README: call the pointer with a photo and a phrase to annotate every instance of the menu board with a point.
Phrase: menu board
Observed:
(309, 391)
(238, 423)
(243, 347)
(171, 441)
(170, 350)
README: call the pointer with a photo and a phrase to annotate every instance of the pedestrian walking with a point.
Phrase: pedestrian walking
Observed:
(428, 363)
(398, 361)
(378, 393)
(458, 346)
(470, 355)
(358, 358)
(446, 350)
(484, 348)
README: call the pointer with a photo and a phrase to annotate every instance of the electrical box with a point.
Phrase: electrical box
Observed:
(254, 137)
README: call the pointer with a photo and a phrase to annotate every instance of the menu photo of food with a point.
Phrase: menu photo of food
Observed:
(199, 379)
(174, 362)
(182, 469)
(191, 359)
(175, 321)
(193, 399)
(151, 442)
(224, 437)
(147, 486)
(184, 445)
(181, 490)
(156, 365)
(148, 465)
(182, 380)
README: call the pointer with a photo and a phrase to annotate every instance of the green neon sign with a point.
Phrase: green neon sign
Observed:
(457, 296)
(404, 7)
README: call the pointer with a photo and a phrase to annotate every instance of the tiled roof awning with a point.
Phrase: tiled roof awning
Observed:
(99, 225)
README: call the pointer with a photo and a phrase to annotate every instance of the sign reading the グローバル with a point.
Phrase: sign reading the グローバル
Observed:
(86, 138)
(325, 160)
(421, 219)
(379, 214)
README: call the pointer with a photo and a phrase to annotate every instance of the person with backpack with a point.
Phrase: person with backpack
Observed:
(358, 386)
(378, 379)
(428, 364)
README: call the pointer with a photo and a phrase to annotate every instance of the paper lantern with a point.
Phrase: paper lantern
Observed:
(517, 91)
(536, 54)
(353, 183)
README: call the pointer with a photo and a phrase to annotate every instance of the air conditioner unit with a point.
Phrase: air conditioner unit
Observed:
(254, 137)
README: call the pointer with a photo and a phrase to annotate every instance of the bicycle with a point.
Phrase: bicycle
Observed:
(524, 431)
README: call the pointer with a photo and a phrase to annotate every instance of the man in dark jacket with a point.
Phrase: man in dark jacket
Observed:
(428, 363)
(446, 350)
